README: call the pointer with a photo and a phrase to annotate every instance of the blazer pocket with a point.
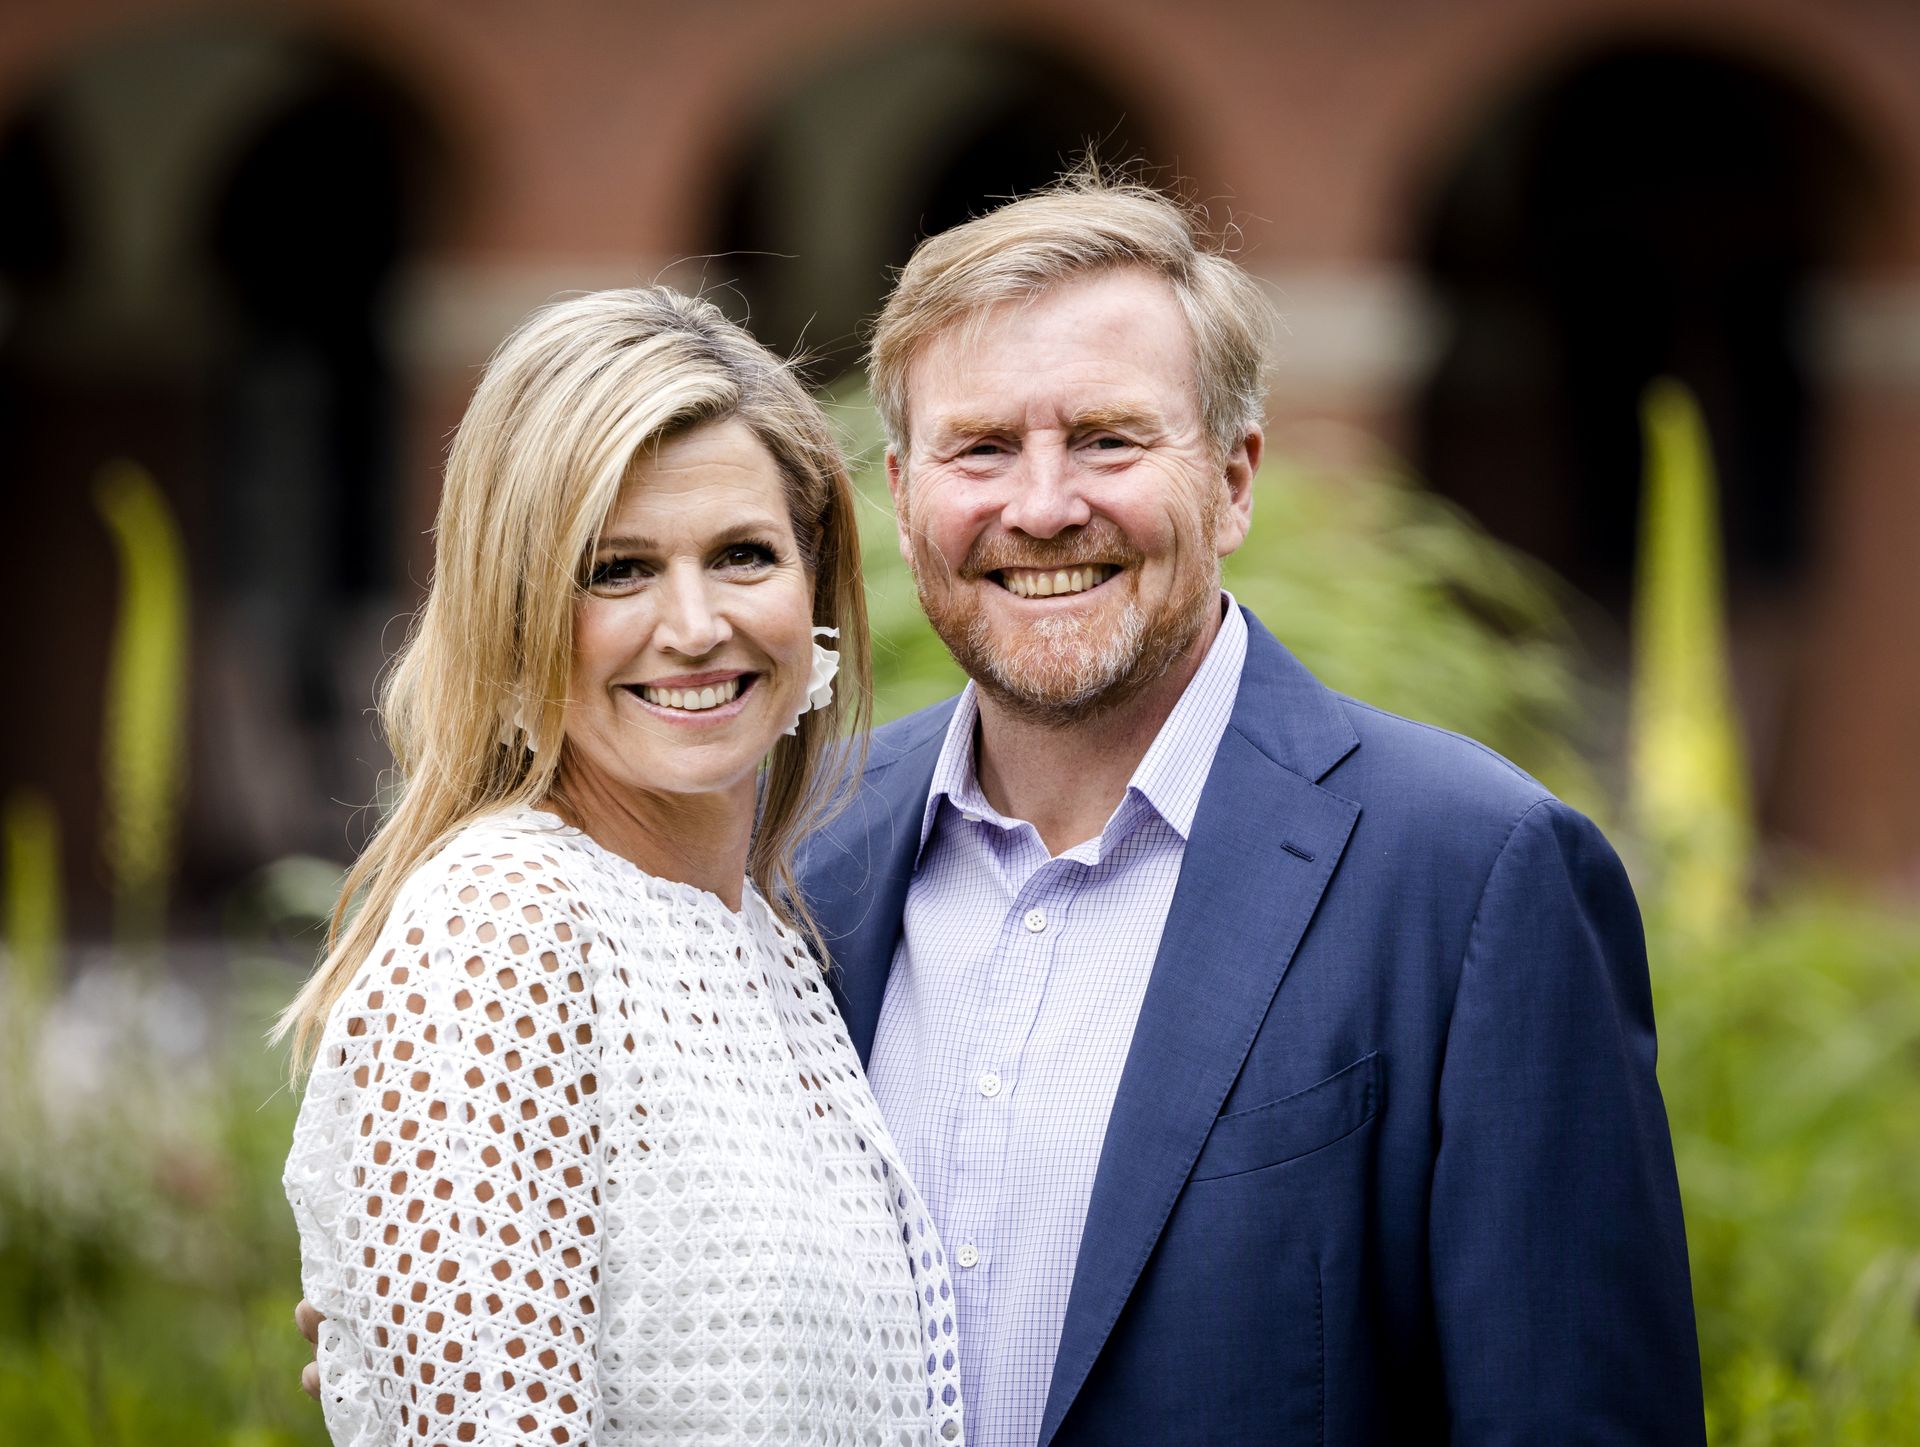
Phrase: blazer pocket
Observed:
(1293, 1126)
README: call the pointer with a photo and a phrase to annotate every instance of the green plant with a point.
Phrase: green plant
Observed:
(1790, 1040)
(148, 1263)
(1790, 1061)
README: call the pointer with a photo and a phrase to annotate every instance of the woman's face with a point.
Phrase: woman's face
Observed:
(694, 640)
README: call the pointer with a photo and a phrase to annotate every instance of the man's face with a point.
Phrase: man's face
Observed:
(1060, 505)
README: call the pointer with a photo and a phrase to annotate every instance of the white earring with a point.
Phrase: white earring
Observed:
(513, 725)
(826, 663)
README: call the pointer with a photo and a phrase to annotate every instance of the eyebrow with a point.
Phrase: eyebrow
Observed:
(1119, 418)
(624, 543)
(745, 530)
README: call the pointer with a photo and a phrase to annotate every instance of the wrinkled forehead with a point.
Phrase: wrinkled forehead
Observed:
(1103, 350)
(691, 471)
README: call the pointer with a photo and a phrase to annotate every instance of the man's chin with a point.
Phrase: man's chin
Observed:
(1069, 677)
(1066, 666)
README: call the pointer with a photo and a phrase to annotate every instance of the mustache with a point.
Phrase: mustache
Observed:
(1095, 542)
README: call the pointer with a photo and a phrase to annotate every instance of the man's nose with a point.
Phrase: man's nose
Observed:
(692, 619)
(1046, 496)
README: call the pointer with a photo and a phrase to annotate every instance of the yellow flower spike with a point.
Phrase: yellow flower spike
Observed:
(1688, 779)
(32, 899)
(143, 753)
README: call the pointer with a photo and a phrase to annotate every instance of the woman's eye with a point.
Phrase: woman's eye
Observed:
(747, 555)
(616, 573)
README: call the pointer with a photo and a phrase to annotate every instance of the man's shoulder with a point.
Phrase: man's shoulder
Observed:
(908, 737)
(1422, 764)
(1385, 763)
(1441, 806)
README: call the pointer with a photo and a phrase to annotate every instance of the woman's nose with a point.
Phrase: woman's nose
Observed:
(692, 621)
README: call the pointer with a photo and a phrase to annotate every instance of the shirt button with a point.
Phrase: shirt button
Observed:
(967, 1256)
(989, 1085)
(1036, 921)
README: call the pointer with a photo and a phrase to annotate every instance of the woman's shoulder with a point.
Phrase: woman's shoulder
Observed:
(506, 881)
(493, 914)
(527, 873)
(509, 852)
(515, 834)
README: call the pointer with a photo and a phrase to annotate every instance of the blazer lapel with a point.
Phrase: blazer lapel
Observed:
(855, 873)
(1265, 843)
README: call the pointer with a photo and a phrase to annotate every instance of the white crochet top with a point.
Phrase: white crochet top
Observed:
(587, 1158)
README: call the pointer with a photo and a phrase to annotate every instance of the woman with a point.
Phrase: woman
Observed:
(586, 1155)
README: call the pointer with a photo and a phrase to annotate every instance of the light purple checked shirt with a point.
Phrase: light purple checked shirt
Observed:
(1014, 992)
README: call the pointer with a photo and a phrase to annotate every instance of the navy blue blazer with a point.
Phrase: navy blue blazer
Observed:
(1388, 1163)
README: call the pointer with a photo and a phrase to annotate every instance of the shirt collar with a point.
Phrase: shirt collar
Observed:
(1169, 777)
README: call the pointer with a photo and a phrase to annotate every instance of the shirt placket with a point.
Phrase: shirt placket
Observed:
(1040, 893)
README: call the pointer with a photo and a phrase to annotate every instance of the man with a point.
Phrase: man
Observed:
(1276, 1070)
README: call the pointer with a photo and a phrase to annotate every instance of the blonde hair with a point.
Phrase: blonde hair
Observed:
(571, 402)
(1086, 222)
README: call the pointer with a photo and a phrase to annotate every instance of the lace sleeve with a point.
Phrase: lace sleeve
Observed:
(452, 1172)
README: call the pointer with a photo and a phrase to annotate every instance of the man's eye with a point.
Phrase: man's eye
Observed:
(983, 449)
(1110, 443)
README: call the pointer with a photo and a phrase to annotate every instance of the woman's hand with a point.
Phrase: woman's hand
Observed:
(308, 1320)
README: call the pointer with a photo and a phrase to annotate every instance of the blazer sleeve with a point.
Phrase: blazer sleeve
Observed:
(1559, 1262)
(458, 1250)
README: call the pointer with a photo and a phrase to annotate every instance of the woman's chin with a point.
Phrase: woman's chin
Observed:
(643, 754)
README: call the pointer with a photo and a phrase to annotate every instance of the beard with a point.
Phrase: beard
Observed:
(1062, 669)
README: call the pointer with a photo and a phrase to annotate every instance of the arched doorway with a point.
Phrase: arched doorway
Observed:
(1644, 209)
(840, 178)
(198, 225)
(322, 201)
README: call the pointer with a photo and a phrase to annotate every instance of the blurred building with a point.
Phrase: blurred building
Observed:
(262, 249)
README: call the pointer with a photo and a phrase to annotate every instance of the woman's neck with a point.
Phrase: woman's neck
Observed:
(696, 839)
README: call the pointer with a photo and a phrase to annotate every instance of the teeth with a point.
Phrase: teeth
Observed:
(1027, 583)
(693, 700)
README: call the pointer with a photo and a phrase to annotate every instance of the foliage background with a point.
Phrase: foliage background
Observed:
(147, 1260)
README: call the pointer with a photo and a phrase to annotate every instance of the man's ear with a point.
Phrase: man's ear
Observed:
(1237, 516)
(897, 487)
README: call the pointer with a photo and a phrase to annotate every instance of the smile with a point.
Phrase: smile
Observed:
(691, 698)
(1053, 583)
